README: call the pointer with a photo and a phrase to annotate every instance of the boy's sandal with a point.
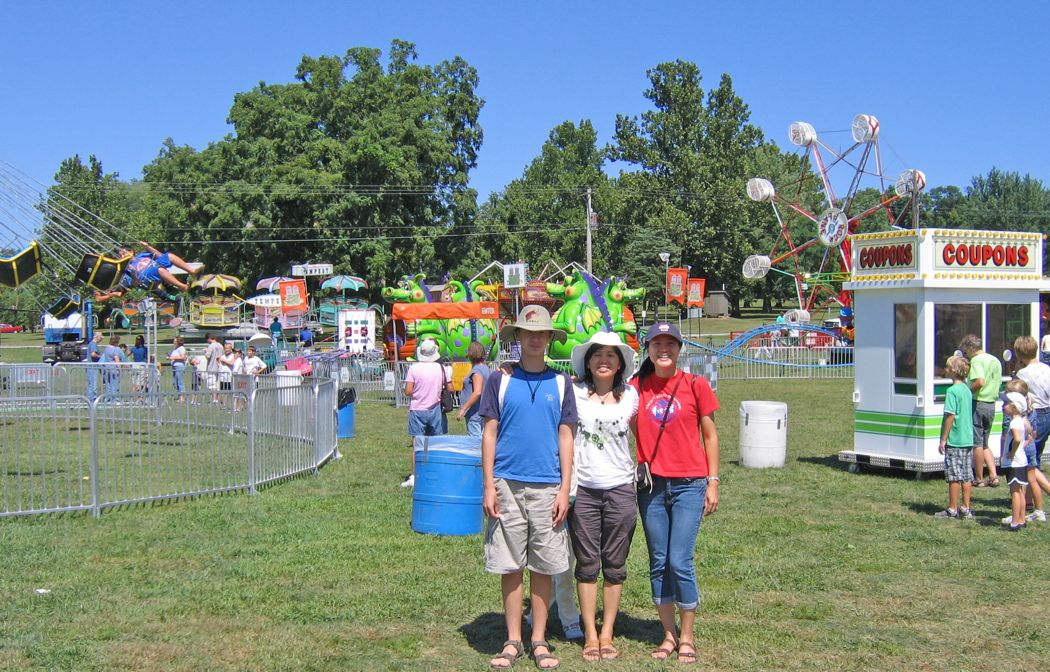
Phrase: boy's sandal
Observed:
(994, 483)
(687, 657)
(540, 658)
(511, 658)
(983, 483)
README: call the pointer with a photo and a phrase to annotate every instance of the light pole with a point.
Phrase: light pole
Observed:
(666, 258)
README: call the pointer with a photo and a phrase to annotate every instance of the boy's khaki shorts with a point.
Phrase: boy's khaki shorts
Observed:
(523, 537)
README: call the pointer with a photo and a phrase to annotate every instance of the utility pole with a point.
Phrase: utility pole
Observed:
(591, 221)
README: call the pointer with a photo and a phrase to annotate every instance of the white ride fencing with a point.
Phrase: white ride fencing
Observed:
(69, 452)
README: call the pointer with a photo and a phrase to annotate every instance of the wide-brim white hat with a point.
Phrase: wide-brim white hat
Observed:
(532, 318)
(579, 353)
(428, 351)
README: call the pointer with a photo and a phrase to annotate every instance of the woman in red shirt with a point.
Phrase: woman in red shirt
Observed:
(676, 436)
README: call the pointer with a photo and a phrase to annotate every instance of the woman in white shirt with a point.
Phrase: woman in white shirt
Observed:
(605, 510)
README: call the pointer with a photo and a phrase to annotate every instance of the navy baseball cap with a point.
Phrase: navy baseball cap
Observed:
(663, 329)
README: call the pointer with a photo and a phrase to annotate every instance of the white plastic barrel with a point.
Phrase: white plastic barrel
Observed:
(763, 434)
(288, 383)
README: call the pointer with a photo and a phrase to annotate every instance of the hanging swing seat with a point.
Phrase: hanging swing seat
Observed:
(64, 307)
(22, 266)
(101, 272)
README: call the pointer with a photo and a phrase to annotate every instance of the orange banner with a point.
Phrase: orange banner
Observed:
(697, 288)
(462, 310)
(293, 296)
(676, 285)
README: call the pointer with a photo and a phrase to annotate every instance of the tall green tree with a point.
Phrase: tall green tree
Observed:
(354, 163)
(86, 210)
(693, 153)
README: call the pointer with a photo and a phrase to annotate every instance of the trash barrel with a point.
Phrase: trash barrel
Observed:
(288, 387)
(763, 434)
(446, 498)
(345, 413)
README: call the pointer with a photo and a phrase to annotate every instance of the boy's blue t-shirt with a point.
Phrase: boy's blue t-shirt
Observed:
(529, 422)
(958, 401)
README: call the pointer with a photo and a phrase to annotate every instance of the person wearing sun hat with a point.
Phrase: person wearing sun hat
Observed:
(677, 438)
(526, 463)
(423, 385)
(605, 510)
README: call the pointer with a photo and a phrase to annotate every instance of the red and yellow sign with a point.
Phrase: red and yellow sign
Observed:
(697, 288)
(1010, 255)
(895, 256)
(293, 296)
(675, 289)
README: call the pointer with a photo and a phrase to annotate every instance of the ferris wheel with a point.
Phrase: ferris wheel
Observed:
(820, 285)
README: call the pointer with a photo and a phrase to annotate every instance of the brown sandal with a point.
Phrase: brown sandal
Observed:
(511, 658)
(664, 651)
(609, 652)
(592, 652)
(540, 658)
(687, 657)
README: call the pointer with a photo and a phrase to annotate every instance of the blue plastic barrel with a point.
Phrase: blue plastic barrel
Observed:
(446, 498)
(345, 422)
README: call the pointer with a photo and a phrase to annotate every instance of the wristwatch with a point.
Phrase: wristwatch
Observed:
(716, 479)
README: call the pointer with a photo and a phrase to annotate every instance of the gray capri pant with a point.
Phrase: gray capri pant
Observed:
(601, 525)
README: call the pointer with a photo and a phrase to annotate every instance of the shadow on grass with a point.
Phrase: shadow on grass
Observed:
(487, 632)
(829, 461)
(985, 512)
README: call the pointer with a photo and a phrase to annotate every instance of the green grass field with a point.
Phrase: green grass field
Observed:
(803, 568)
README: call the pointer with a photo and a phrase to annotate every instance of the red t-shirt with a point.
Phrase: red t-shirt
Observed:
(681, 452)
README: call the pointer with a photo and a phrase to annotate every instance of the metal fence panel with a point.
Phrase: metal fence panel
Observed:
(168, 449)
(45, 461)
(69, 452)
(25, 380)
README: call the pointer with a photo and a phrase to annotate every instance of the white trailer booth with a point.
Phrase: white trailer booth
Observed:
(916, 294)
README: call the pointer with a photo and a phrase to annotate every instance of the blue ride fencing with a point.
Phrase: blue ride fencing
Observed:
(71, 453)
(797, 351)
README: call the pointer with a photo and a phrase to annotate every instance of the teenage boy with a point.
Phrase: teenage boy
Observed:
(526, 462)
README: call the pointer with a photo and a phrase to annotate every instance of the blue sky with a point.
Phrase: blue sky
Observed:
(959, 87)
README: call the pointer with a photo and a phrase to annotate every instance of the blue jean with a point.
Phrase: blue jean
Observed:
(1042, 432)
(671, 517)
(428, 422)
(111, 380)
(178, 375)
(92, 383)
(475, 425)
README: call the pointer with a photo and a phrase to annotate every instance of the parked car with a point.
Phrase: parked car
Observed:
(11, 329)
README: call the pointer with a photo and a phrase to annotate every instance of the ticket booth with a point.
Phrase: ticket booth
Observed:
(916, 294)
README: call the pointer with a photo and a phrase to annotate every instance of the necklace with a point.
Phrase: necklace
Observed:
(533, 389)
(603, 397)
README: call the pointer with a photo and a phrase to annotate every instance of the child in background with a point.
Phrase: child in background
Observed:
(1021, 439)
(957, 440)
(1035, 494)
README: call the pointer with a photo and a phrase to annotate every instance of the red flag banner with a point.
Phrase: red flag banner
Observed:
(676, 285)
(697, 287)
(293, 295)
